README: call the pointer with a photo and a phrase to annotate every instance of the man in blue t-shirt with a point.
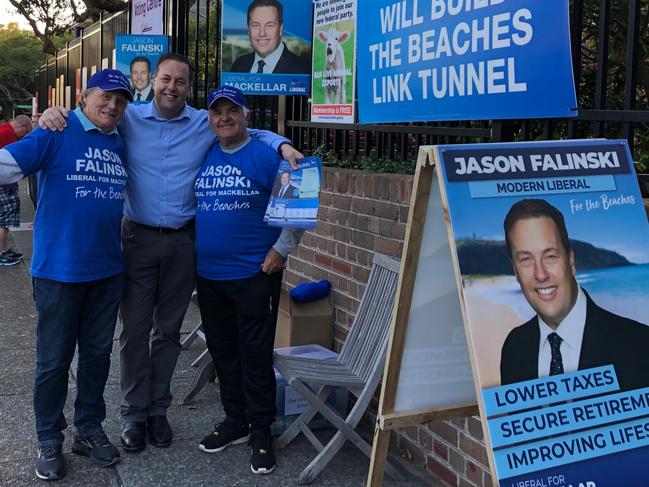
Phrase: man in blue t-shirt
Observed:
(239, 262)
(77, 265)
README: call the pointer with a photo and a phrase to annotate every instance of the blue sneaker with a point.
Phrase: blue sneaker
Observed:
(7, 259)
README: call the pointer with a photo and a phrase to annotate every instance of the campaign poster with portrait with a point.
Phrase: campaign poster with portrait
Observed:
(137, 57)
(334, 61)
(552, 245)
(294, 200)
(266, 47)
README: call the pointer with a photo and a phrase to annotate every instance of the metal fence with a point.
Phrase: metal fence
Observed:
(609, 40)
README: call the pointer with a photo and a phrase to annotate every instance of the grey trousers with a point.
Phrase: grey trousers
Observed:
(160, 270)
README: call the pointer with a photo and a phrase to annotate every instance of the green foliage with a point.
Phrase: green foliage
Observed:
(371, 163)
(618, 61)
(20, 54)
(208, 47)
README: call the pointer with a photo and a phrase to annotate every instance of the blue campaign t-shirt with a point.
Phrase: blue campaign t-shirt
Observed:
(232, 192)
(80, 202)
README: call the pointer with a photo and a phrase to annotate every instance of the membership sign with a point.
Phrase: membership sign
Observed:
(551, 242)
(334, 56)
(464, 60)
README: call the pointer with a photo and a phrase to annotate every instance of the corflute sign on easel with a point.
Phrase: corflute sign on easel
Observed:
(538, 251)
(464, 60)
(551, 241)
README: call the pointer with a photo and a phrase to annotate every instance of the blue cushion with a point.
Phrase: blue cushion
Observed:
(310, 291)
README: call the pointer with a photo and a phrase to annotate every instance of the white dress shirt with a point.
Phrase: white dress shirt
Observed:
(571, 331)
(143, 94)
(270, 61)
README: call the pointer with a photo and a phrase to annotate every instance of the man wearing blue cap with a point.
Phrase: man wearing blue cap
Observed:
(239, 262)
(77, 266)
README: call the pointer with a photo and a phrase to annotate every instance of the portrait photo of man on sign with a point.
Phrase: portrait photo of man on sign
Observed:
(265, 25)
(569, 332)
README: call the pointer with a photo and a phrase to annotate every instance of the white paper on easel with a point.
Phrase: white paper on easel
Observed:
(435, 369)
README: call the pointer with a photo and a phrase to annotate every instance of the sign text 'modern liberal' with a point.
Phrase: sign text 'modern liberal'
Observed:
(464, 59)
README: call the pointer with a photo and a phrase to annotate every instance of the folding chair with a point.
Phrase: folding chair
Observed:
(358, 368)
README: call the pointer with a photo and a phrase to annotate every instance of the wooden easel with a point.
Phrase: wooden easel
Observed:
(428, 208)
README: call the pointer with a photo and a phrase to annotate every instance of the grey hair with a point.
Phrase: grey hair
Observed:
(84, 93)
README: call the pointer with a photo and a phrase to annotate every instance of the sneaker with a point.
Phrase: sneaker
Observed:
(50, 464)
(229, 432)
(12, 253)
(262, 460)
(98, 447)
(7, 259)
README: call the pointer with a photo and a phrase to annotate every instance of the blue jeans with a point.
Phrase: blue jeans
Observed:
(69, 314)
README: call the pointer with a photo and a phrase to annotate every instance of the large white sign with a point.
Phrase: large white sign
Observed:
(147, 17)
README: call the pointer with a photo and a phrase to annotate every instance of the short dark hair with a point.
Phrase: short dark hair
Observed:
(267, 3)
(535, 208)
(173, 56)
(140, 59)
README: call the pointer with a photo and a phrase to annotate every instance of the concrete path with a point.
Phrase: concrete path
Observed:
(181, 464)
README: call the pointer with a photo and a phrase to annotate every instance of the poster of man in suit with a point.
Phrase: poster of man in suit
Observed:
(266, 46)
(551, 247)
(136, 56)
(588, 335)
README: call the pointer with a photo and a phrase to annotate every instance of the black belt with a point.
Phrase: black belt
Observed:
(186, 226)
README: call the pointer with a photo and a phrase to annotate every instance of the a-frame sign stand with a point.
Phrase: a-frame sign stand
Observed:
(428, 225)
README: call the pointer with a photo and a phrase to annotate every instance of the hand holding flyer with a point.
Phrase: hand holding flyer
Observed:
(294, 199)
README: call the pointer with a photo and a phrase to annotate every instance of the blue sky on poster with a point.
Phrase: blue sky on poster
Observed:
(234, 15)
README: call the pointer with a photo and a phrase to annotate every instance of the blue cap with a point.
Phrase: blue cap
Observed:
(235, 95)
(111, 80)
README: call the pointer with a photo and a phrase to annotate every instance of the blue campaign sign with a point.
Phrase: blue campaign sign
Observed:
(266, 49)
(137, 57)
(550, 237)
(464, 60)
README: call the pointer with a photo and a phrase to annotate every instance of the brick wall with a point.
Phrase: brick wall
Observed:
(362, 213)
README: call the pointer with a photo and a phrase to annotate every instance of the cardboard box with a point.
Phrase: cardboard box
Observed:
(303, 323)
(290, 404)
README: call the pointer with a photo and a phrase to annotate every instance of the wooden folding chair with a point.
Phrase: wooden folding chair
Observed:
(358, 368)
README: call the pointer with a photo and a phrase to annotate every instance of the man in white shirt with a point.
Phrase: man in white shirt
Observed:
(570, 332)
(265, 28)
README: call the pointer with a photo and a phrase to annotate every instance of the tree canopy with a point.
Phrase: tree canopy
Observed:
(49, 18)
(20, 55)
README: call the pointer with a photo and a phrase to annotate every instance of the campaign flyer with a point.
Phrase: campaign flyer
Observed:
(294, 199)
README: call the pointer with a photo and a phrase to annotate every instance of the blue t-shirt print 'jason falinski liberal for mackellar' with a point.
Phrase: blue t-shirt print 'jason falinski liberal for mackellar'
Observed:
(232, 192)
(80, 201)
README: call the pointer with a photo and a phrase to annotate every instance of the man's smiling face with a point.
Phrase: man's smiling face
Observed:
(544, 268)
(171, 88)
(104, 108)
(265, 30)
(228, 121)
